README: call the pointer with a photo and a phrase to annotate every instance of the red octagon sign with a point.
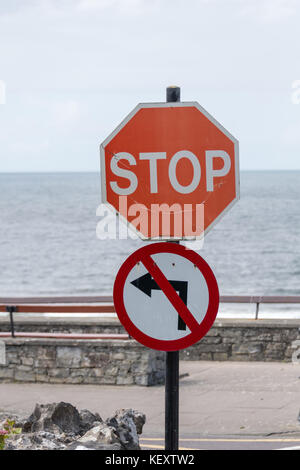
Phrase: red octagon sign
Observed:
(170, 170)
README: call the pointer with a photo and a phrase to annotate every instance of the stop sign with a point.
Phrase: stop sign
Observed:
(170, 170)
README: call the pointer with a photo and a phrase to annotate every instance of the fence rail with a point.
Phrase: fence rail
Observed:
(103, 304)
(263, 299)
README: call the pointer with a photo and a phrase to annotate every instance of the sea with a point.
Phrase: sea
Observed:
(49, 246)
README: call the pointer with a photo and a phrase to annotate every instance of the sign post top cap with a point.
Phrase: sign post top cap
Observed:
(173, 93)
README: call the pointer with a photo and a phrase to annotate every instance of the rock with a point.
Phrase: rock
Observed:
(93, 446)
(88, 420)
(128, 424)
(59, 426)
(98, 438)
(35, 441)
(139, 420)
(54, 417)
(101, 434)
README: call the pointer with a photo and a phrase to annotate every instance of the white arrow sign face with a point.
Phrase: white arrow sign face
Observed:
(147, 305)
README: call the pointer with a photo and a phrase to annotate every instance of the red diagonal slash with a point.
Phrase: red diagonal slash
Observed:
(170, 293)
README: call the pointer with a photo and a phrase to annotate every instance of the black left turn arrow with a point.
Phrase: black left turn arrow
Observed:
(146, 284)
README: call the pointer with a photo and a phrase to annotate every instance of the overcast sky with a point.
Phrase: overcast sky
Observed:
(73, 69)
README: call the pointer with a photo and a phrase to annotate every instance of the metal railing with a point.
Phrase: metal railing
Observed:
(64, 305)
(258, 300)
(103, 304)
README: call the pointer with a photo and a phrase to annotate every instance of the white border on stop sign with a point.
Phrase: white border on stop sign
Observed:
(185, 104)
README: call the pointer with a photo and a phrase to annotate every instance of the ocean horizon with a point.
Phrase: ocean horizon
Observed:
(48, 243)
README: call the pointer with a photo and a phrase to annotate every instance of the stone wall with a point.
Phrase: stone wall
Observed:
(248, 340)
(80, 361)
(235, 340)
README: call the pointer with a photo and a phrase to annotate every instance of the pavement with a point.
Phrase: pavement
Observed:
(223, 405)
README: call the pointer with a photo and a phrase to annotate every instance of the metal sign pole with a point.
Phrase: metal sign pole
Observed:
(172, 359)
(172, 400)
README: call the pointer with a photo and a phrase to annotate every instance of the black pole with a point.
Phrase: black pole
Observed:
(173, 94)
(11, 311)
(172, 400)
(172, 359)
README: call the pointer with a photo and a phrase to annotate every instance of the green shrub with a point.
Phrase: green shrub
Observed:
(8, 431)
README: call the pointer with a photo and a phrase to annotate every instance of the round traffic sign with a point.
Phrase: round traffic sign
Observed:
(166, 296)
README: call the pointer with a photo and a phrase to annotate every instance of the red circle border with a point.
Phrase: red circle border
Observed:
(213, 303)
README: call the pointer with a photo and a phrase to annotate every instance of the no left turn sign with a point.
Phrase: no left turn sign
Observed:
(166, 296)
